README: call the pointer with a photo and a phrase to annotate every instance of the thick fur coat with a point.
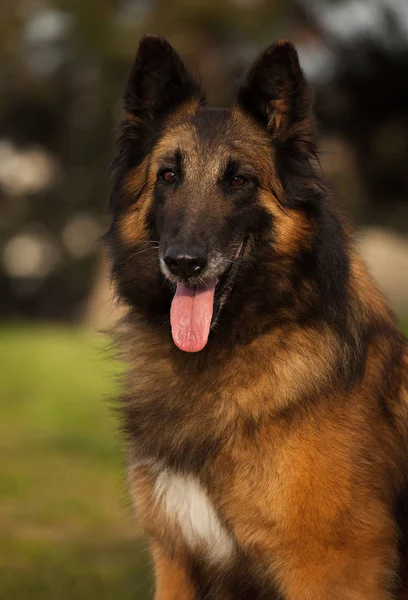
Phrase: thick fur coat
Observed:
(267, 444)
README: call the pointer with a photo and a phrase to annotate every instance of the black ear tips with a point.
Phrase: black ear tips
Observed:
(154, 45)
(283, 50)
(275, 91)
(158, 81)
(152, 50)
(151, 39)
(285, 55)
(282, 57)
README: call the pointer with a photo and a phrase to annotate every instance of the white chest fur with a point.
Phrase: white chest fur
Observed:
(187, 505)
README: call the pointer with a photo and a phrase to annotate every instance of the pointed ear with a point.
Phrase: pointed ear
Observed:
(158, 81)
(276, 94)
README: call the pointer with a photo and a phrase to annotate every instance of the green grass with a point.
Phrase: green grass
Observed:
(66, 526)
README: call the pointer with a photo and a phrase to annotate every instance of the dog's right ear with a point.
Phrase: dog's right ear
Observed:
(158, 81)
(275, 94)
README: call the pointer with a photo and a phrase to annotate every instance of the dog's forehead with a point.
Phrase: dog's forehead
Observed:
(212, 123)
(221, 129)
(208, 139)
(212, 136)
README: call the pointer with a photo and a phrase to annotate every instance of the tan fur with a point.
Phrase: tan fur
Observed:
(133, 222)
(278, 110)
(308, 495)
(293, 231)
(298, 467)
(171, 579)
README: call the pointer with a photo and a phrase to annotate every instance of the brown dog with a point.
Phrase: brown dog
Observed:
(266, 407)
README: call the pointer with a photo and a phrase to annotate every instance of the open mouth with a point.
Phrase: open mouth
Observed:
(227, 280)
(195, 309)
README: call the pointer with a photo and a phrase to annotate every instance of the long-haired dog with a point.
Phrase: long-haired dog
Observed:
(266, 405)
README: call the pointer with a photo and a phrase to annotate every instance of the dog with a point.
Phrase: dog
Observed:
(265, 408)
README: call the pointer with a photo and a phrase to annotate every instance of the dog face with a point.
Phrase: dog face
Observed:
(206, 195)
(201, 196)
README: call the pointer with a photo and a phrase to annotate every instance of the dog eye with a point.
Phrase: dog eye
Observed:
(238, 181)
(168, 176)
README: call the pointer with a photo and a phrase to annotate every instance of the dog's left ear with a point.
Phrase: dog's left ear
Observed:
(276, 94)
(158, 81)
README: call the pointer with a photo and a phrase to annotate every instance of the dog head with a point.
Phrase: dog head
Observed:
(204, 198)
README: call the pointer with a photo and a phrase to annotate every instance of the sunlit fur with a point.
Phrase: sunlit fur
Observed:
(273, 464)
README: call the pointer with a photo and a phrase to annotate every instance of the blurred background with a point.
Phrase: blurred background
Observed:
(66, 528)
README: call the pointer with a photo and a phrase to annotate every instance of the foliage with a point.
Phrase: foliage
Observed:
(63, 64)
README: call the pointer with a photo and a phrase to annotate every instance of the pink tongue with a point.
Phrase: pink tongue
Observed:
(190, 316)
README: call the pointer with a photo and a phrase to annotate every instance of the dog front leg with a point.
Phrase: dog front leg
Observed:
(172, 579)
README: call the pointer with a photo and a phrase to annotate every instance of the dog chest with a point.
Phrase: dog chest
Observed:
(186, 505)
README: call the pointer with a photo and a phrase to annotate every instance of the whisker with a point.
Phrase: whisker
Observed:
(142, 251)
(155, 242)
(233, 262)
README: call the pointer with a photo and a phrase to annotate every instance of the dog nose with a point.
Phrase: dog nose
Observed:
(185, 262)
